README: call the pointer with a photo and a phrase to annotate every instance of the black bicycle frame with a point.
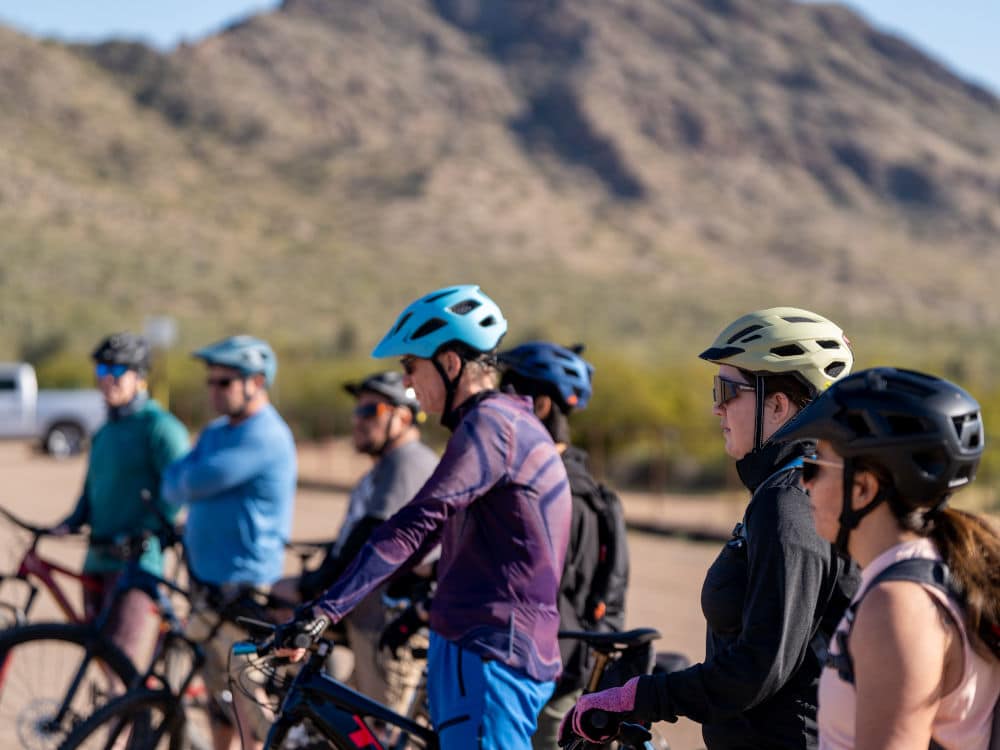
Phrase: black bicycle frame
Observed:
(337, 712)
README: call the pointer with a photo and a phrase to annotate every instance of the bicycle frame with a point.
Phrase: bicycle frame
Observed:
(334, 710)
(34, 566)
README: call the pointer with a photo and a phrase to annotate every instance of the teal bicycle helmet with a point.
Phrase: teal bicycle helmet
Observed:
(461, 314)
(246, 354)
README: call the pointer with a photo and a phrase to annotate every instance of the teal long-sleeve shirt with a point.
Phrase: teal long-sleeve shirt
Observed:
(127, 458)
(239, 485)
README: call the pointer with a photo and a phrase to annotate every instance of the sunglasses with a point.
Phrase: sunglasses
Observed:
(115, 371)
(726, 390)
(220, 382)
(409, 364)
(369, 411)
(811, 465)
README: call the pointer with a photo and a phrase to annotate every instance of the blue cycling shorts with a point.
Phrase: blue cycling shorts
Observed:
(481, 705)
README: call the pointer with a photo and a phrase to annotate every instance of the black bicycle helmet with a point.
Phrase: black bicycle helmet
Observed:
(123, 349)
(925, 432)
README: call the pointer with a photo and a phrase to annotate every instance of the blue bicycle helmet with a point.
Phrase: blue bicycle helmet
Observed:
(246, 354)
(454, 314)
(561, 368)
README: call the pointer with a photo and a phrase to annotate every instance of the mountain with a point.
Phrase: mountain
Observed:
(629, 172)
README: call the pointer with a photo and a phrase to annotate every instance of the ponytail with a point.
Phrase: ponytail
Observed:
(970, 547)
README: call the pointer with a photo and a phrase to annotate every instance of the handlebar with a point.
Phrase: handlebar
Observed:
(598, 722)
(296, 634)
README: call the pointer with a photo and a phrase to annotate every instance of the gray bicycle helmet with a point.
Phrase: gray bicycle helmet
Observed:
(390, 386)
(123, 349)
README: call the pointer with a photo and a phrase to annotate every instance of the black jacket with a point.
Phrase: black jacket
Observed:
(771, 599)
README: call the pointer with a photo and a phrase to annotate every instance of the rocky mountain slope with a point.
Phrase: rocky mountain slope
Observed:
(630, 172)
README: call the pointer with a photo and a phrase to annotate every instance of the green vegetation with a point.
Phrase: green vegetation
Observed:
(649, 425)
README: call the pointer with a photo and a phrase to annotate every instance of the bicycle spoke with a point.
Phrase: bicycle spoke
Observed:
(36, 680)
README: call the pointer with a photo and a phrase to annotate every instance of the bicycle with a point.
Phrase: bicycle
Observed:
(315, 709)
(34, 567)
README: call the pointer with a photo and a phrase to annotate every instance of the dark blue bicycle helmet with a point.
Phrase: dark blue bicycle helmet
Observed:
(564, 370)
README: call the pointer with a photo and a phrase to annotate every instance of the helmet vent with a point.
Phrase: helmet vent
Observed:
(744, 332)
(933, 462)
(401, 323)
(440, 295)
(487, 321)
(904, 424)
(858, 425)
(428, 328)
(799, 319)
(967, 428)
(829, 344)
(464, 307)
(835, 368)
(789, 350)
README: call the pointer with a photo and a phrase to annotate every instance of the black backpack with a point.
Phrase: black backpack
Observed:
(606, 598)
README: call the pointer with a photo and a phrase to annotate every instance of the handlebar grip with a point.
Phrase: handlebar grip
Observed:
(597, 720)
(245, 648)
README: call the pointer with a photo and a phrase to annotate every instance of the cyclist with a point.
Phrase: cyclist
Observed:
(385, 427)
(595, 576)
(239, 485)
(776, 591)
(499, 502)
(128, 455)
(913, 663)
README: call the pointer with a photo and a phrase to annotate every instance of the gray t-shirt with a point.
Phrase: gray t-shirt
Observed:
(390, 485)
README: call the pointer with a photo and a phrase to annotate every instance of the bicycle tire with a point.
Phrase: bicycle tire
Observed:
(139, 720)
(38, 663)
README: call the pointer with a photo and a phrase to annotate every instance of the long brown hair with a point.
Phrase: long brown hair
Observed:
(969, 545)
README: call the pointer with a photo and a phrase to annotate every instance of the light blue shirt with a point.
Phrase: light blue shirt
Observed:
(239, 484)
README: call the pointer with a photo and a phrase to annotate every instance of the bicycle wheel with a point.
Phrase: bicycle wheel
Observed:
(140, 720)
(45, 665)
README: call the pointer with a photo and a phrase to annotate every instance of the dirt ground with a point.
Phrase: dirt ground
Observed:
(666, 571)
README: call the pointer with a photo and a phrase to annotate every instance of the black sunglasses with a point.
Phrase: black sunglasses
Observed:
(726, 390)
(409, 364)
(220, 382)
(812, 463)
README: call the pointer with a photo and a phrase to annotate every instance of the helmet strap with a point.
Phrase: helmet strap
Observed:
(849, 517)
(241, 413)
(450, 387)
(758, 428)
(387, 440)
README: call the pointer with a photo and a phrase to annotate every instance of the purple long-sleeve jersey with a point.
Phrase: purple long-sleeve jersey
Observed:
(499, 502)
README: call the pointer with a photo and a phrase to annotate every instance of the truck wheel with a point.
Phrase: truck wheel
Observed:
(64, 439)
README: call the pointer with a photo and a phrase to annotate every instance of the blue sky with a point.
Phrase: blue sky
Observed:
(961, 33)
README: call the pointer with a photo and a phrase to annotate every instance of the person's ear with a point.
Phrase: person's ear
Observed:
(542, 406)
(779, 407)
(451, 363)
(865, 488)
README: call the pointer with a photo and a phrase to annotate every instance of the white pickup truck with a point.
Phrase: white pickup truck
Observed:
(62, 420)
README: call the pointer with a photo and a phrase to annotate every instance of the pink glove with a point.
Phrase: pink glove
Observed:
(618, 702)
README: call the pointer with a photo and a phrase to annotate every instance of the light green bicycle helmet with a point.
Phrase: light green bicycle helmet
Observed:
(783, 340)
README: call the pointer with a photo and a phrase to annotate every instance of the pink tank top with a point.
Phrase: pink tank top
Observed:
(964, 718)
